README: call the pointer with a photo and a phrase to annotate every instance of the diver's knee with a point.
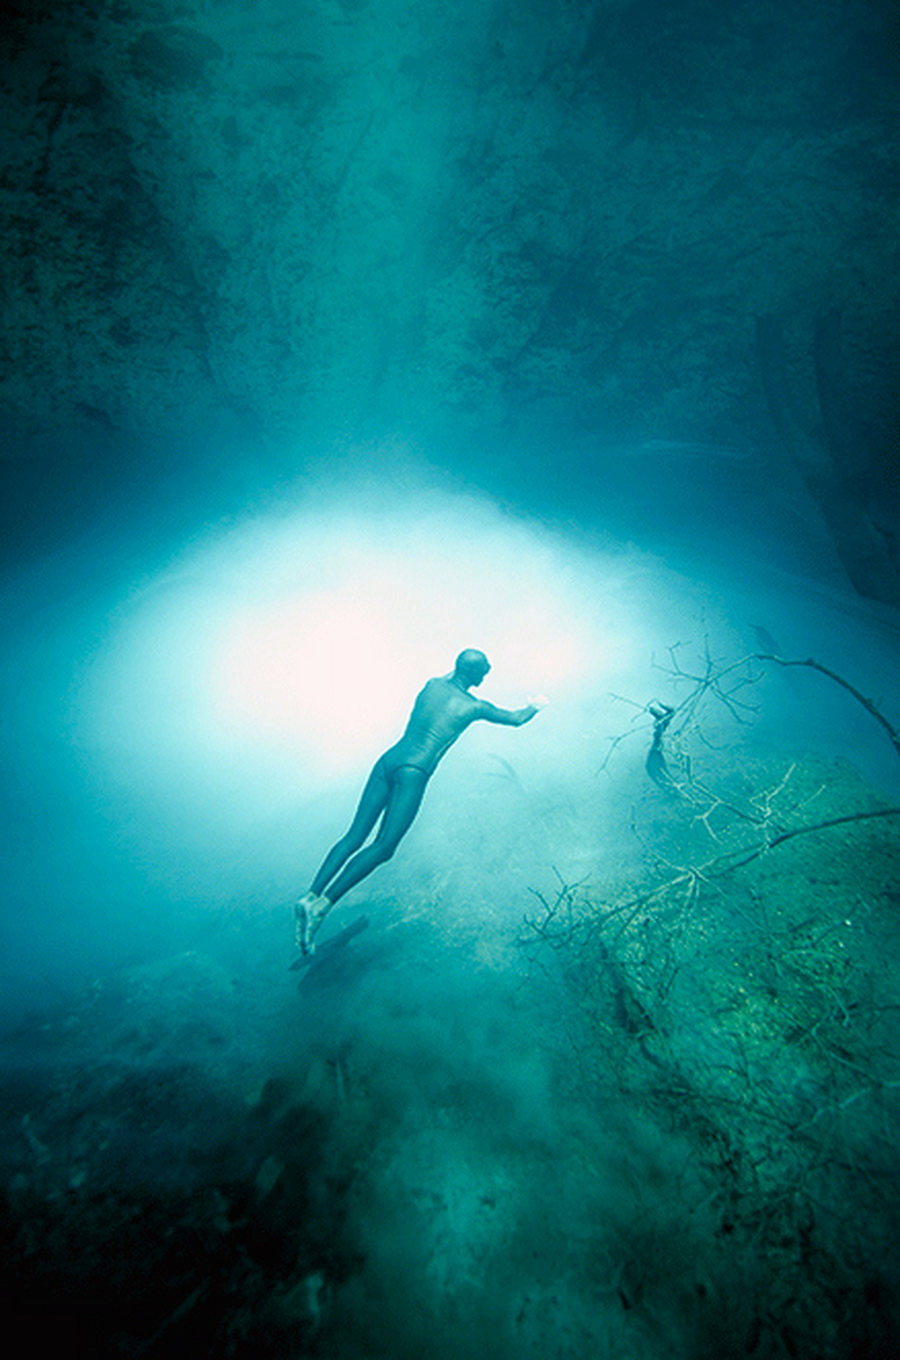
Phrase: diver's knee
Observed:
(349, 844)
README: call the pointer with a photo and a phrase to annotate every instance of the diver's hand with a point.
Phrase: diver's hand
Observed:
(538, 701)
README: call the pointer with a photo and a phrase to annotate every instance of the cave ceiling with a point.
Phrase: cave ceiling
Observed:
(518, 220)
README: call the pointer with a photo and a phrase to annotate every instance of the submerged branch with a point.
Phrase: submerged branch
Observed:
(867, 704)
(690, 878)
(746, 854)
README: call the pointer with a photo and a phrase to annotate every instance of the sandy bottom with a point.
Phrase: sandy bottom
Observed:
(650, 1112)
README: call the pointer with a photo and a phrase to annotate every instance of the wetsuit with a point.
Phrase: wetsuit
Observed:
(441, 713)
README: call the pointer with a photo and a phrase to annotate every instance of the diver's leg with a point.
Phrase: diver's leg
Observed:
(372, 803)
(314, 906)
(404, 800)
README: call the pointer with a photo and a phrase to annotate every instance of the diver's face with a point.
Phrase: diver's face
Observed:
(481, 675)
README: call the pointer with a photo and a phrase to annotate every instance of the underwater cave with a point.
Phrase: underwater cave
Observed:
(342, 339)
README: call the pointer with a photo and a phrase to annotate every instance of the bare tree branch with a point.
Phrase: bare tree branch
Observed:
(867, 704)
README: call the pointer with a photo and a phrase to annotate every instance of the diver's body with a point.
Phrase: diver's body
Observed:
(443, 710)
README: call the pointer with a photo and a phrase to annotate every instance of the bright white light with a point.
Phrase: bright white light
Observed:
(324, 667)
(335, 667)
(301, 641)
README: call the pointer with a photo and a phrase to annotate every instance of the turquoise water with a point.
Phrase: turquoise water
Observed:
(585, 1066)
(339, 337)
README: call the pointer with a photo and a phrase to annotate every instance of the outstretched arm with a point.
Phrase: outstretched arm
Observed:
(509, 717)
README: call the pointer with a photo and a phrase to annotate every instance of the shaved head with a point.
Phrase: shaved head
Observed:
(471, 666)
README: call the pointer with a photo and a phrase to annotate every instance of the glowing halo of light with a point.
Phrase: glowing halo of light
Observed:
(299, 640)
(333, 668)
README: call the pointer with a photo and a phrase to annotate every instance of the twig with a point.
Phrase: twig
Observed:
(867, 704)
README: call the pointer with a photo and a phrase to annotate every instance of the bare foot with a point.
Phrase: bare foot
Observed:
(309, 913)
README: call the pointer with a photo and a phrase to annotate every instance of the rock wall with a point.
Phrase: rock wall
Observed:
(270, 223)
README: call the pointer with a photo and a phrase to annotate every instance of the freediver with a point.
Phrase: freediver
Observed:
(443, 709)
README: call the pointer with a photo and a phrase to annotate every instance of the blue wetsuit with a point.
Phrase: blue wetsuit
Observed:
(444, 708)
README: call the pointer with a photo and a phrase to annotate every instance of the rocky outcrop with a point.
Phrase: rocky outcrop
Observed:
(836, 455)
